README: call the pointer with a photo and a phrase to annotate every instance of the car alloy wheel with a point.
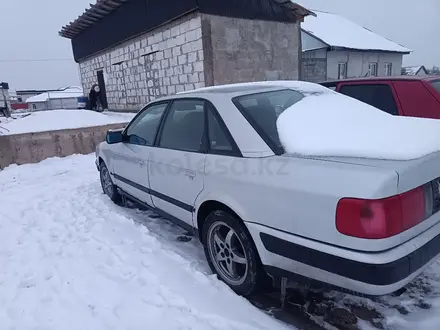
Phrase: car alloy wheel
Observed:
(227, 253)
(106, 182)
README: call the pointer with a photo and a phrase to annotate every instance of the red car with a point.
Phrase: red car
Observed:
(412, 96)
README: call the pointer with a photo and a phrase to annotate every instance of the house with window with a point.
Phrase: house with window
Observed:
(334, 47)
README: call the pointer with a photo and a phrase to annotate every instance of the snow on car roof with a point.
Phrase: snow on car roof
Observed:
(337, 31)
(333, 124)
(301, 86)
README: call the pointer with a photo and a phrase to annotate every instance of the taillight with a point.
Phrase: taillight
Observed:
(382, 218)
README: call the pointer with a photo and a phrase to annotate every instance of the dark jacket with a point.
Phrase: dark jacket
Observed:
(94, 97)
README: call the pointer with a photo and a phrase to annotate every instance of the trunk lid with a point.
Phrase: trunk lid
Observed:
(412, 173)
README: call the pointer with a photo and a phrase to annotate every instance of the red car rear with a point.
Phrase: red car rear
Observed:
(403, 96)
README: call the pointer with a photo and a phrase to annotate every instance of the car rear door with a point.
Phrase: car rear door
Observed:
(130, 158)
(379, 94)
(177, 164)
(416, 100)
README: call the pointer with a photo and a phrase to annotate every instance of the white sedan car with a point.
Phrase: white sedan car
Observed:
(211, 160)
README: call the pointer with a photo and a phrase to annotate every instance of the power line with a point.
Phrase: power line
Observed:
(35, 60)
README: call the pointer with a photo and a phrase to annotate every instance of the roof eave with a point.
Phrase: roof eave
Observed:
(104, 7)
(298, 11)
(371, 50)
(89, 17)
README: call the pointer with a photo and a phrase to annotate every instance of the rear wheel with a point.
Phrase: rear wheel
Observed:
(107, 184)
(231, 253)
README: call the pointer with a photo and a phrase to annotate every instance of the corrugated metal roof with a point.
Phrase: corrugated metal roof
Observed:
(103, 8)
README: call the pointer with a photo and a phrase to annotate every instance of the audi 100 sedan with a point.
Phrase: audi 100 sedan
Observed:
(211, 160)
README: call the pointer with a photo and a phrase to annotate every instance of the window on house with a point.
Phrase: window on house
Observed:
(377, 95)
(372, 69)
(342, 70)
(388, 69)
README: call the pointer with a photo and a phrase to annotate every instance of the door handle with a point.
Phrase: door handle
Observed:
(141, 163)
(190, 174)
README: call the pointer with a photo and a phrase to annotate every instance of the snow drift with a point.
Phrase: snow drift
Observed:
(61, 119)
(332, 124)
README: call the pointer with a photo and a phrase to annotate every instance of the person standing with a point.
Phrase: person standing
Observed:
(95, 99)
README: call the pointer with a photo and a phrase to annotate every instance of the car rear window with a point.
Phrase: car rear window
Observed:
(262, 111)
(377, 95)
(436, 85)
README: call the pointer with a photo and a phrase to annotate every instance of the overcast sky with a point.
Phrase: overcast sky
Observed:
(30, 32)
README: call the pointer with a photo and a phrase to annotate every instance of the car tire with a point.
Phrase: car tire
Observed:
(107, 185)
(231, 253)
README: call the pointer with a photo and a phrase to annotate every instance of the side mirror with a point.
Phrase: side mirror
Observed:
(114, 136)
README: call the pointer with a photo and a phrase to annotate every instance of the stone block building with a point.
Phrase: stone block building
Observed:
(138, 50)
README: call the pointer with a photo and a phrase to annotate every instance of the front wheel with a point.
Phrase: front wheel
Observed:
(107, 184)
(231, 253)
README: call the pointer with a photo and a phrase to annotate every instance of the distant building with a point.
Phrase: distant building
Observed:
(65, 98)
(335, 48)
(139, 50)
(419, 70)
(23, 95)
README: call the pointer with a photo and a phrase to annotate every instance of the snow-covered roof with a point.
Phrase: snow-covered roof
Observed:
(337, 31)
(65, 93)
(414, 70)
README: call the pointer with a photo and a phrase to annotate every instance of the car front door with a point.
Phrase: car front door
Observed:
(176, 166)
(130, 158)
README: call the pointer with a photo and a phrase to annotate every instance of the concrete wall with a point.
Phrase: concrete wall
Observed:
(241, 50)
(161, 62)
(35, 147)
(357, 63)
(314, 65)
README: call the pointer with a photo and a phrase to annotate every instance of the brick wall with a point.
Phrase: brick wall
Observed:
(164, 61)
(241, 50)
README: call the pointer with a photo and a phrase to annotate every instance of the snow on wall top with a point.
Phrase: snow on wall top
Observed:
(337, 31)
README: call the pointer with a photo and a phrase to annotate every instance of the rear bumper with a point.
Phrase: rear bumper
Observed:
(366, 273)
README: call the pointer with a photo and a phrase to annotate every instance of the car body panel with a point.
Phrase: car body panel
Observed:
(179, 176)
(130, 163)
(318, 273)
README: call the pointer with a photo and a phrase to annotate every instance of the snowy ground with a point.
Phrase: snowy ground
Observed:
(59, 119)
(70, 259)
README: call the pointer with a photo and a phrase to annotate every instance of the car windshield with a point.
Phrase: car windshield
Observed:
(262, 111)
(436, 85)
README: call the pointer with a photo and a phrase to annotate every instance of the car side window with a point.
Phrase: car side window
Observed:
(184, 126)
(143, 130)
(377, 95)
(218, 137)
